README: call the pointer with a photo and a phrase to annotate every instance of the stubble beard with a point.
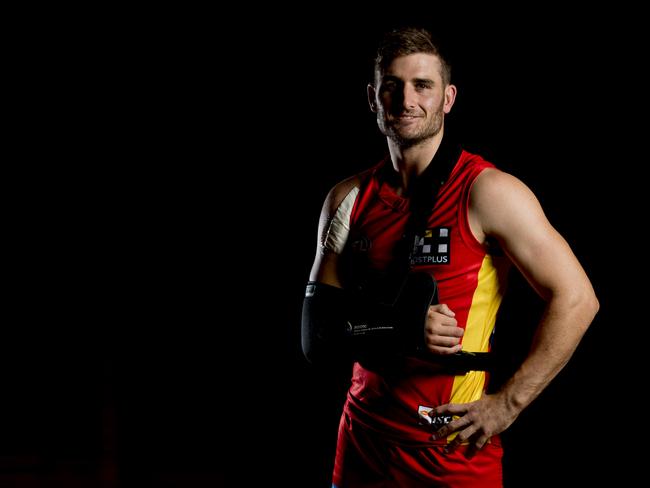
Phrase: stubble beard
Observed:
(405, 139)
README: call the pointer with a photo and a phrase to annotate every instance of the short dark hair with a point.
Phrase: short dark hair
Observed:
(409, 40)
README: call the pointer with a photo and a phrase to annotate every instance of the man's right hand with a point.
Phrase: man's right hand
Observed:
(441, 332)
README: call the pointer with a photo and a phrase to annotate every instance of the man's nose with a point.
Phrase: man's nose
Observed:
(408, 96)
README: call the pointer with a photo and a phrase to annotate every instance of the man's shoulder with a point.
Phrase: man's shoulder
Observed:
(496, 188)
(470, 160)
(491, 179)
(343, 188)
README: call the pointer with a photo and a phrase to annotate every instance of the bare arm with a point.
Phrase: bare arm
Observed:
(501, 206)
(506, 209)
(325, 267)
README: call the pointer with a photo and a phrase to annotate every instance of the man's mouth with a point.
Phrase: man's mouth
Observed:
(405, 119)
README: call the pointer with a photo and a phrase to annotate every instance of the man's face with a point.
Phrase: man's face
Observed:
(410, 99)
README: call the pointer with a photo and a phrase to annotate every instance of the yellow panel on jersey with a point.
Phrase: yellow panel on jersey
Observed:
(480, 324)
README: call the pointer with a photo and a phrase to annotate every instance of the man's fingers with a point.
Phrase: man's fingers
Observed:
(451, 427)
(444, 324)
(443, 309)
(476, 445)
(442, 340)
(463, 436)
(445, 330)
(442, 335)
(451, 409)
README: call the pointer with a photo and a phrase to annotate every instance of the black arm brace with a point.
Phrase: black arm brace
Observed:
(339, 323)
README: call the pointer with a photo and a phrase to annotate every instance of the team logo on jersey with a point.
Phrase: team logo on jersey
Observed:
(361, 245)
(423, 414)
(435, 421)
(432, 248)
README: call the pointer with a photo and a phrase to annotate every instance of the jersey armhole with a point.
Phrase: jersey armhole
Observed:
(463, 213)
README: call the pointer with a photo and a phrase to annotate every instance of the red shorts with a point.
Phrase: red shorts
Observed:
(364, 459)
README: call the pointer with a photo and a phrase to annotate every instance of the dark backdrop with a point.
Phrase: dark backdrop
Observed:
(166, 234)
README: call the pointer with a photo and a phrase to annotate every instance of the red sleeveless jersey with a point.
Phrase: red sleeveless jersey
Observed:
(471, 282)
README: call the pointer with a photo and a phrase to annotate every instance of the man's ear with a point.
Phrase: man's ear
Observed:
(450, 97)
(372, 100)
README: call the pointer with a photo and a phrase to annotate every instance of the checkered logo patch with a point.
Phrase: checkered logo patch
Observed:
(432, 248)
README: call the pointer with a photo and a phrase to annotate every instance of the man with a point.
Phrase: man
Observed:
(417, 413)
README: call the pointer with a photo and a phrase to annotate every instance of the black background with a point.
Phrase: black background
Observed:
(165, 224)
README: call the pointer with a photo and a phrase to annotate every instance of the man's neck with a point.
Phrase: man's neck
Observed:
(411, 161)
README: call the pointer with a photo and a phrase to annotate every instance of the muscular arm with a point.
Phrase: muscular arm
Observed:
(502, 207)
